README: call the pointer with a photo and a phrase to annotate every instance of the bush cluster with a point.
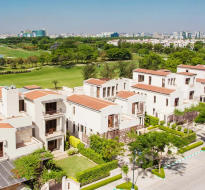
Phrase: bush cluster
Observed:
(74, 141)
(102, 183)
(151, 120)
(159, 174)
(203, 148)
(126, 186)
(90, 153)
(179, 133)
(98, 172)
(14, 72)
(189, 147)
(72, 151)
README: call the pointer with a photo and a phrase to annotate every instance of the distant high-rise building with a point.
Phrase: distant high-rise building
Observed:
(114, 35)
(34, 33)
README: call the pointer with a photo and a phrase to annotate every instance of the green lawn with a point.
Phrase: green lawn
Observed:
(17, 53)
(74, 164)
(70, 77)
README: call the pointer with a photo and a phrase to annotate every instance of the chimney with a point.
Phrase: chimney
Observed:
(10, 100)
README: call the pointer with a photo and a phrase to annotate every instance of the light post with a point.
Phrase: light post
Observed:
(133, 180)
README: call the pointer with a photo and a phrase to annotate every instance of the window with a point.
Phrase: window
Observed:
(81, 129)
(98, 92)
(150, 80)
(153, 111)
(176, 102)
(124, 85)
(187, 80)
(204, 89)
(154, 99)
(21, 105)
(116, 87)
(51, 126)
(51, 108)
(163, 82)
(167, 102)
(104, 92)
(168, 81)
(191, 95)
(187, 71)
(73, 127)
(140, 78)
(108, 91)
(113, 91)
(73, 110)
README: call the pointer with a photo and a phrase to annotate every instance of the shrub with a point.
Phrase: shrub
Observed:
(126, 186)
(162, 122)
(185, 130)
(152, 127)
(90, 153)
(189, 147)
(189, 138)
(96, 173)
(153, 120)
(72, 151)
(102, 183)
(203, 148)
(159, 174)
(74, 141)
(174, 126)
(179, 128)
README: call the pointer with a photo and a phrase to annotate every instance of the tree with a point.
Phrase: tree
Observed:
(55, 82)
(107, 71)
(154, 147)
(89, 71)
(108, 148)
(125, 170)
(152, 61)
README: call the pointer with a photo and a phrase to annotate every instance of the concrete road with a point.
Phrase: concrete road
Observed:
(189, 174)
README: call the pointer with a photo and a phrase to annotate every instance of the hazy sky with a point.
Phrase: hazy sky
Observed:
(64, 16)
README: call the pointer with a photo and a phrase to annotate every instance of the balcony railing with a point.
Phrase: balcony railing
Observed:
(51, 131)
(52, 112)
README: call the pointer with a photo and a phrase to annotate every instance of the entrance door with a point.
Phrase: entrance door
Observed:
(52, 145)
(1, 149)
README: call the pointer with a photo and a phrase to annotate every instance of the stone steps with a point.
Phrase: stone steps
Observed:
(58, 155)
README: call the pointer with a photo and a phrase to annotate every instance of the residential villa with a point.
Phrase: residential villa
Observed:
(31, 117)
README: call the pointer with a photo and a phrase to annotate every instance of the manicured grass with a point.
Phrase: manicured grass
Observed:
(70, 77)
(103, 182)
(74, 164)
(15, 53)
(126, 186)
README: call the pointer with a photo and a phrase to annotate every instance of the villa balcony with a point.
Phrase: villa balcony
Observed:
(52, 113)
(54, 134)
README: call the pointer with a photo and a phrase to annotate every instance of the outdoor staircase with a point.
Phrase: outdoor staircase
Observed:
(58, 155)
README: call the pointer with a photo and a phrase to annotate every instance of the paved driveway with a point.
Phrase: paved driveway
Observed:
(186, 175)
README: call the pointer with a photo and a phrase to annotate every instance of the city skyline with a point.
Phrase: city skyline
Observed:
(97, 16)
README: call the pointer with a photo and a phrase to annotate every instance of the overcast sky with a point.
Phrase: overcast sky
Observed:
(92, 16)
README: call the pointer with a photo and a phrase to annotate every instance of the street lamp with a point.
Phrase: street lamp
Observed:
(133, 180)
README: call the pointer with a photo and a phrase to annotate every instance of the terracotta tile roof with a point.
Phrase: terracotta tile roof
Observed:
(32, 87)
(125, 94)
(152, 72)
(153, 88)
(200, 80)
(186, 73)
(90, 102)
(5, 125)
(97, 82)
(38, 94)
(197, 67)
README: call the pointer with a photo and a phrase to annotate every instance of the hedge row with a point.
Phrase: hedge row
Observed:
(192, 146)
(74, 141)
(152, 127)
(93, 174)
(188, 138)
(159, 174)
(90, 153)
(173, 131)
(126, 186)
(14, 72)
(203, 148)
(102, 183)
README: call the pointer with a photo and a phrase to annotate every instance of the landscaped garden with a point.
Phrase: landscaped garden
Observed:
(74, 164)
